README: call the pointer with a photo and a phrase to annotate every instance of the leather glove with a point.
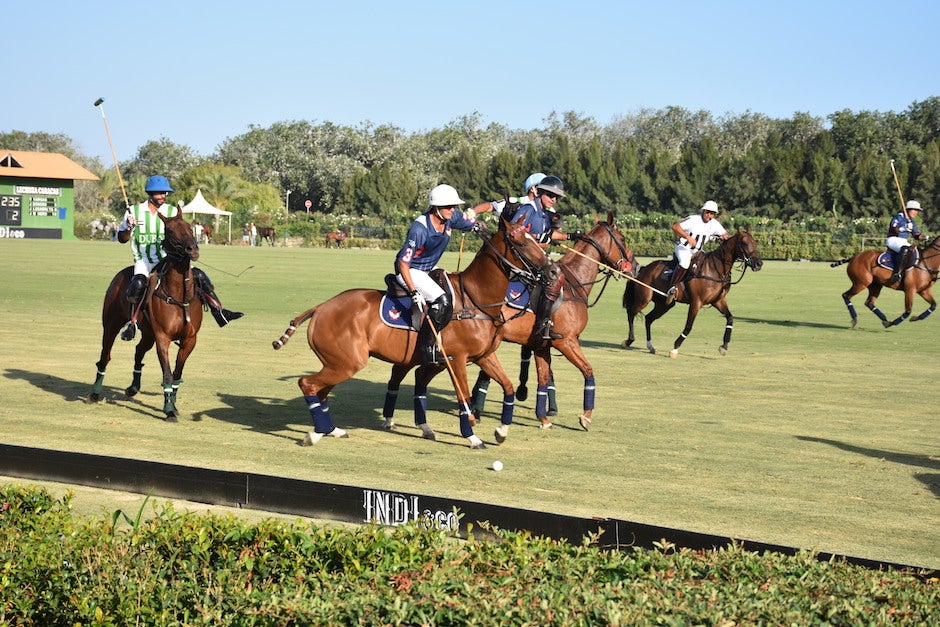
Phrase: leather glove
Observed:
(576, 236)
(418, 300)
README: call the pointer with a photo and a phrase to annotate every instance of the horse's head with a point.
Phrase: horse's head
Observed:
(745, 249)
(179, 241)
(527, 250)
(610, 244)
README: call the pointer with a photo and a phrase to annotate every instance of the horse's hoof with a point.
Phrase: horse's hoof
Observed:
(338, 433)
(551, 412)
(311, 438)
(388, 425)
(886, 324)
(171, 417)
(722, 350)
(476, 414)
(500, 433)
(93, 397)
(626, 343)
(674, 353)
(545, 425)
(429, 435)
(522, 393)
(478, 445)
(585, 422)
(131, 391)
(854, 322)
(651, 348)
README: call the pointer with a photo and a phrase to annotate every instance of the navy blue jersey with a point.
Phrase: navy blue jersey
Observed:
(902, 226)
(424, 245)
(537, 219)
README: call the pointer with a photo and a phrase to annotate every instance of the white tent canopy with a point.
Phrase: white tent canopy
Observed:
(200, 205)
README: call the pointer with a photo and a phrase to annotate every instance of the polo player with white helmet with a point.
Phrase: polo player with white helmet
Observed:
(901, 228)
(424, 246)
(693, 232)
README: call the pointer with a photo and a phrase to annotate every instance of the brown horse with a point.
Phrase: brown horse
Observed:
(207, 233)
(865, 271)
(172, 313)
(267, 234)
(602, 245)
(335, 238)
(708, 284)
(347, 329)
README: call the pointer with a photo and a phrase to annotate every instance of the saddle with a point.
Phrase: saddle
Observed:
(889, 259)
(396, 309)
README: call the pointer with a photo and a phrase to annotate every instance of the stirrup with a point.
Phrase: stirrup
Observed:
(671, 295)
(129, 332)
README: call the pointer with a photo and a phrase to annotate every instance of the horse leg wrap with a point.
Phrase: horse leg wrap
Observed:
(509, 406)
(541, 400)
(851, 308)
(588, 393)
(421, 409)
(391, 396)
(874, 309)
(321, 417)
(727, 337)
(900, 318)
(552, 401)
(98, 387)
(926, 313)
(466, 429)
(480, 389)
(169, 398)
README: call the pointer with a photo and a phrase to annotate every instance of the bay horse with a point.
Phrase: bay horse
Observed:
(708, 283)
(579, 268)
(335, 238)
(865, 271)
(207, 233)
(267, 234)
(172, 313)
(347, 329)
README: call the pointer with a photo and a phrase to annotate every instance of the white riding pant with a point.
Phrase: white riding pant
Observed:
(142, 266)
(684, 256)
(897, 243)
(424, 284)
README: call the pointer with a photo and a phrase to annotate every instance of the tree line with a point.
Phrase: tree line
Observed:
(650, 166)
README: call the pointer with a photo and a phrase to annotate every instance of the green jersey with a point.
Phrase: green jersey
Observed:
(147, 238)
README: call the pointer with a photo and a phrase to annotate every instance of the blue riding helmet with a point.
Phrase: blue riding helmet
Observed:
(157, 184)
(533, 180)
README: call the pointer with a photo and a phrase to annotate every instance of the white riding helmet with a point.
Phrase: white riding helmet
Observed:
(533, 180)
(913, 204)
(444, 196)
(710, 205)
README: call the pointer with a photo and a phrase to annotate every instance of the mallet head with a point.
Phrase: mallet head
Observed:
(99, 101)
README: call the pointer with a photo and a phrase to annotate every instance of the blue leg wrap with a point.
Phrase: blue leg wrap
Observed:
(541, 400)
(322, 423)
(509, 405)
(588, 393)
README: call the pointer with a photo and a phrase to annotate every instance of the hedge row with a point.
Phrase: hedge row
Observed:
(189, 569)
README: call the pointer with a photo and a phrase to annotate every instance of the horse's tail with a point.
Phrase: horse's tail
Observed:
(292, 326)
(629, 295)
(835, 264)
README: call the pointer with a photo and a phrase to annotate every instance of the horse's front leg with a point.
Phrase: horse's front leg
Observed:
(543, 373)
(573, 353)
(927, 296)
(694, 308)
(908, 303)
(169, 389)
(145, 344)
(480, 390)
(458, 370)
(186, 348)
(494, 369)
(722, 306)
(391, 393)
(423, 376)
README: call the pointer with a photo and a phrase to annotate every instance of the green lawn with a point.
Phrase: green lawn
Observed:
(806, 434)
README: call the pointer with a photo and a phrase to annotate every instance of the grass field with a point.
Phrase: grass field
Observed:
(806, 434)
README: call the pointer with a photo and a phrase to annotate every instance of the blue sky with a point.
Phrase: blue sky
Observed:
(200, 72)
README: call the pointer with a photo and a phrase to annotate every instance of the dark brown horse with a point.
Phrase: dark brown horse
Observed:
(207, 232)
(347, 329)
(267, 234)
(335, 238)
(708, 283)
(579, 268)
(173, 313)
(865, 271)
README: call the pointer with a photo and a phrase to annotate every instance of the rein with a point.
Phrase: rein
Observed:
(730, 264)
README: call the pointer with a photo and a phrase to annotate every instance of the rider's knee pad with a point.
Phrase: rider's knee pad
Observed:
(441, 311)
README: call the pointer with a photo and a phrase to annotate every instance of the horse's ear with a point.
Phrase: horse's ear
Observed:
(597, 219)
(610, 218)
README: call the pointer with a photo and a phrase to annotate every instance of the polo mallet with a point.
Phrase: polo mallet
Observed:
(614, 270)
(450, 369)
(897, 184)
(99, 103)
(460, 252)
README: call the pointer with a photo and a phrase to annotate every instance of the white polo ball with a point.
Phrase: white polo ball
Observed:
(497, 465)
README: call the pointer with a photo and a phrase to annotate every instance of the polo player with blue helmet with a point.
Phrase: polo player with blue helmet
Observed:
(143, 227)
